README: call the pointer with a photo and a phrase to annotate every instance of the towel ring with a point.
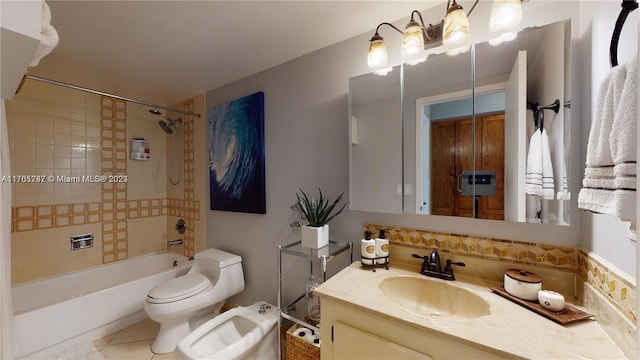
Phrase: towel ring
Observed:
(627, 7)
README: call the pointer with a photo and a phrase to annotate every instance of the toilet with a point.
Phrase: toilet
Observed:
(238, 334)
(180, 303)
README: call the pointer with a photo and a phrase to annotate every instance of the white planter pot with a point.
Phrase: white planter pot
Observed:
(315, 237)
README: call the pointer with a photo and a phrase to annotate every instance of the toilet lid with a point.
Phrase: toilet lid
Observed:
(179, 288)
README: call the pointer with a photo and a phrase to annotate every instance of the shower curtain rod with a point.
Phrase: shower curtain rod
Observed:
(76, 87)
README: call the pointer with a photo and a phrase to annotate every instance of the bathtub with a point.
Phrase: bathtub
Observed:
(65, 310)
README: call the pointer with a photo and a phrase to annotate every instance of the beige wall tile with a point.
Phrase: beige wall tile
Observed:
(146, 235)
(59, 131)
(42, 253)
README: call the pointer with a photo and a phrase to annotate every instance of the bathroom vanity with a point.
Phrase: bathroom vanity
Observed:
(393, 314)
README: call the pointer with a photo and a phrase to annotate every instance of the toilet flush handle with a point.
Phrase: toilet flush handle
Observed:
(264, 308)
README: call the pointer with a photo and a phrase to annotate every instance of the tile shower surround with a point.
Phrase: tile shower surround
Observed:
(618, 291)
(65, 132)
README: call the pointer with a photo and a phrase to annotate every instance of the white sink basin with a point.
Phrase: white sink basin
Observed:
(430, 297)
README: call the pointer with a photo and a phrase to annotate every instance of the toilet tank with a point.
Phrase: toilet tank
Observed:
(222, 268)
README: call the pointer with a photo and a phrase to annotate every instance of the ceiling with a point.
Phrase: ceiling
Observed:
(166, 51)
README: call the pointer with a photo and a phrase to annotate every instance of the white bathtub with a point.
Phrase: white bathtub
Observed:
(61, 311)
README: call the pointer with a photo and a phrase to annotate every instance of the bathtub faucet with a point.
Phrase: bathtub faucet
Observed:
(174, 242)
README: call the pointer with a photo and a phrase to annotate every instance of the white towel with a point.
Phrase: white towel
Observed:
(48, 36)
(539, 176)
(623, 144)
(533, 178)
(609, 185)
(598, 186)
(548, 184)
(564, 193)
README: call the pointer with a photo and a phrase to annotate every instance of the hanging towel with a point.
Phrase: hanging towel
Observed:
(564, 193)
(48, 36)
(548, 185)
(539, 176)
(623, 144)
(609, 185)
(533, 178)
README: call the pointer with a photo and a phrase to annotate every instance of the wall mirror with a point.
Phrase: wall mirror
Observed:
(467, 121)
(375, 154)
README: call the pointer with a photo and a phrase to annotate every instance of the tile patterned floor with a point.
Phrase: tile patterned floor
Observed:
(131, 343)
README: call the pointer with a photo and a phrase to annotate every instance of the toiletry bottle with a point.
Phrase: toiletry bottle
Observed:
(382, 247)
(367, 249)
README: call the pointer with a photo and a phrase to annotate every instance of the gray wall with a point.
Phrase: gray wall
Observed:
(306, 127)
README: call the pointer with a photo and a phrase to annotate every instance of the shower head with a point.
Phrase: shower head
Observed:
(166, 127)
(163, 124)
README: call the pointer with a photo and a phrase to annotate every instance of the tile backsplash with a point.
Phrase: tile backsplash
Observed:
(517, 252)
(619, 292)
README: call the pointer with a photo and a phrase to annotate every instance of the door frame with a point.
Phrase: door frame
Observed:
(421, 128)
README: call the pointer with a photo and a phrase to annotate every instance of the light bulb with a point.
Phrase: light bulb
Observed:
(377, 53)
(506, 15)
(456, 26)
(412, 41)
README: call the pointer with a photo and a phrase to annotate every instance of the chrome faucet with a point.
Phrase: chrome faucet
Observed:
(433, 267)
(174, 242)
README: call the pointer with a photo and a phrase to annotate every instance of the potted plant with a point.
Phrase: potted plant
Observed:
(318, 213)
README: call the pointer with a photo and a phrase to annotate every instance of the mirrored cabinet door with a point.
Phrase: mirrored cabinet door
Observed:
(375, 152)
(452, 136)
(438, 129)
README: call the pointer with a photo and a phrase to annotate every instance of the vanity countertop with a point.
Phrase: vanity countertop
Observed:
(509, 328)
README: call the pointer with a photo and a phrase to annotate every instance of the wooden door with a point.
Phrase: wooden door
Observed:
(492, 158)
(464, 162)
(443, 150)
(452, 153)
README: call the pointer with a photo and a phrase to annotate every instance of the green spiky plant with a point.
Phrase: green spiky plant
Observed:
(318, 212)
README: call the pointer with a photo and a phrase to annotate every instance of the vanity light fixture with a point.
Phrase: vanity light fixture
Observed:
(453, 31)
(417, 37)
(414, 39)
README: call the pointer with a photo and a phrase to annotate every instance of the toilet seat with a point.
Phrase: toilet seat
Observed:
(179, 288)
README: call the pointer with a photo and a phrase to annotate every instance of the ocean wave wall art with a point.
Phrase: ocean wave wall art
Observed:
(236, 155)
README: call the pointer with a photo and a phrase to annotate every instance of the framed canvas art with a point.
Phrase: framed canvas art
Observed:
(236, 155)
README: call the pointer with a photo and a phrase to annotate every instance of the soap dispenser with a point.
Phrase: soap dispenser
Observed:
(367, 249)
(382, 248)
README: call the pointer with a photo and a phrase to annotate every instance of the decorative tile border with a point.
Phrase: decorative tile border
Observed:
(189, 178)
(189, 153)
(42, 217)
(145, 208)
(541, 255)
(617, 290)
(113, 132)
